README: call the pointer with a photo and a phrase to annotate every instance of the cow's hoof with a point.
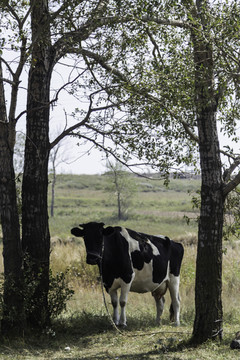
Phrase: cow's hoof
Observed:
(116, 321)
(235, 344)
(123, 326)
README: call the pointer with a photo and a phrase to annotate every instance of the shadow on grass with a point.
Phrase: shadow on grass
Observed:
(83, 324)
(86, 330)
(88, 323)
(139, 356)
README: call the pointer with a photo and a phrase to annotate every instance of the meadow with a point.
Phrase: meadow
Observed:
(84, 330)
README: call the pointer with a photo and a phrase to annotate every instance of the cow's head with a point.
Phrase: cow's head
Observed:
(92, 234)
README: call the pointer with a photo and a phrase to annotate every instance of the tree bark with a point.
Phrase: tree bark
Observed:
(13, 309)
(35, 228)
(208, 289)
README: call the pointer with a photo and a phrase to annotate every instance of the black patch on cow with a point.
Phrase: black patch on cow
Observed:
(160, 264)
(177, 252)
(145, 254)
(116, 260)
(142, 238)
(137, 260)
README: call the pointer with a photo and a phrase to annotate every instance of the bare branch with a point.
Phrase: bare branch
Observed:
(69, 130)
(231, 185)
(233, 166)
(7, 81)
(161, 21)
(14, 14)
(8, 66)
(55, 99)
(114, 154)
(155, 45)
(16, 82)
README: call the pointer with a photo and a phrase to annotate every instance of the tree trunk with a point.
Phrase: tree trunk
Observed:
(120, 216)
(13, 309)
(35, 228)
(118, 193)
(208, 303)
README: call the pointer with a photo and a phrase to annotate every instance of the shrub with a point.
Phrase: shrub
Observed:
(59, 293)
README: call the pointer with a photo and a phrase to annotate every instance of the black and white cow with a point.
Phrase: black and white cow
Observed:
(135, 262)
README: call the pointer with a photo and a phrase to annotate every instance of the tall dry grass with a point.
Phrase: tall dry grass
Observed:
(86, 283)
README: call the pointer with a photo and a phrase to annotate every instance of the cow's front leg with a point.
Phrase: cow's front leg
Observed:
(114, 299)
(125, 288)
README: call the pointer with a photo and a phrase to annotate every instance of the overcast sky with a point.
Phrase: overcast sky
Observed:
(82, 162)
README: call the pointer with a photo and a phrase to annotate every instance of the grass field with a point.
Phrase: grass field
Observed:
(84, 331)
(154, 209)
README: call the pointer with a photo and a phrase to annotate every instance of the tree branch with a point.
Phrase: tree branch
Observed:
(227, 173)
(136, 90)
(16, 82)
(70, 41)
(84, 121)
(231, 185)
(113, 153)
(69, 130)
(15, 15)
(8, 66)
(160, 21)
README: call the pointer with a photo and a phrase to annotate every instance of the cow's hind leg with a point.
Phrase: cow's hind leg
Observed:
(159, 306)
(159, 300)
(114, 299)
(125, 288)
(174, 292)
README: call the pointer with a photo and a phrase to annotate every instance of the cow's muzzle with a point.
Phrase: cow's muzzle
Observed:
(93, 258)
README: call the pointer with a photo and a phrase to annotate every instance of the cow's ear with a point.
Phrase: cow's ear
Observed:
(108, 231)
(77, 232)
